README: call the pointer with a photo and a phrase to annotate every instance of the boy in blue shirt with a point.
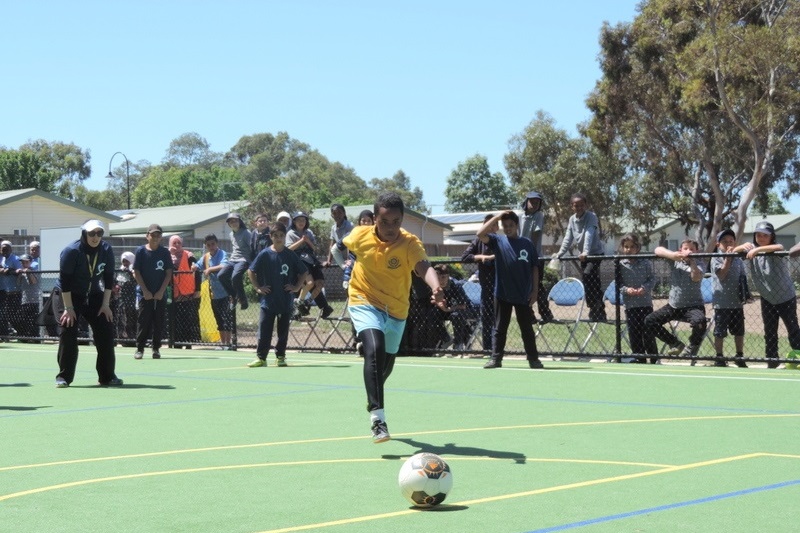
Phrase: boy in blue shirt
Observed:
(516, 285)
(276, 274)
(153, 272)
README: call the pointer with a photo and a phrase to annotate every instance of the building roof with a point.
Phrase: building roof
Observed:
(352, 211)
(174, 219)
(7, 197)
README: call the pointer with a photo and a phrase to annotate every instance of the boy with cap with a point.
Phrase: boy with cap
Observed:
(533, 229)
(153, 273)
(770, 274)
(726, 273)
(232, 274)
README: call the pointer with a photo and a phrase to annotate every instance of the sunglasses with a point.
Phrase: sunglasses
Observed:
(97, 233)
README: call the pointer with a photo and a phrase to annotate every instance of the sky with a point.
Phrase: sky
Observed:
(418, 86)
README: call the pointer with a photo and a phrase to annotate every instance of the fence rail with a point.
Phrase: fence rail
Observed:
(570, 332)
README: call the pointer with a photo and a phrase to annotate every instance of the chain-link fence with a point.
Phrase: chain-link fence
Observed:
(588, 312)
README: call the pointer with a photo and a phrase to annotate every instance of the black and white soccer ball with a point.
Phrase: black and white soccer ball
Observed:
(425, 480)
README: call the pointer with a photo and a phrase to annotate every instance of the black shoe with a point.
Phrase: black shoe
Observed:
(380, 432)
(156, 354)
(327, 311)
(720, 361)
(303, 308)
(493, 363)
(772, 362)
(244, 303)
(114, 382)
(546, 319)
(740, 362)
(535, 363)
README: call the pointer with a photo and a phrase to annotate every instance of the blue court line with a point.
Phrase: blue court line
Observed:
(667, 507)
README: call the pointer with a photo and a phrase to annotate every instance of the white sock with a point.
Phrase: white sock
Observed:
(377, 414)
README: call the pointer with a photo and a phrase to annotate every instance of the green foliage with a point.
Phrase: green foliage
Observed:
(22, 170)
(161, 187)
(190, 149)
(399, 183)
(472, 187)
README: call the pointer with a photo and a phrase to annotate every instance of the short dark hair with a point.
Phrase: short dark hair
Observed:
(442, 269)
(277, 226)
(389, 200)
(210, 237)
(510, 215)
(578, 196)
(629, 237)
(261, 215)
(335, 207)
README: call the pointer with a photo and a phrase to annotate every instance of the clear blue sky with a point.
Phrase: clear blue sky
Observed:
(378, 86)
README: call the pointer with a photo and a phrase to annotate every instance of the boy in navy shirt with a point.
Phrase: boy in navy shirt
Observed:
(516, 285)
(153, 272)
(276, 274)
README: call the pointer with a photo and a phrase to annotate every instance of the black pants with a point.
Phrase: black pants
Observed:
(641, 341)
(487, 316)
(102, 332)
(378, 366)
(770, 314)
(502, 314)
(593, 290)
(266, 326)
(232, 278)
(150, 322)
(695, 316)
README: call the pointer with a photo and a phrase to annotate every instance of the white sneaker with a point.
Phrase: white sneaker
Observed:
(138, 355)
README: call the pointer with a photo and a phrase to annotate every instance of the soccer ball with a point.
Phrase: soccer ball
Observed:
(425, 479)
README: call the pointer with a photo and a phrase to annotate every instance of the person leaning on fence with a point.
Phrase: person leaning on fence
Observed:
(516, 286)
(341, 228)
(770, 275)
(301, 240)
(153, 275)
(232, 274)
(479, 252)
(583, 230)
(726, 297)
(28, 284)
(685, 300)
(456, 309)
(186, 285)
(9, 266)
(259, 237)
(125, 289)
(636, 291)
(276, 274)
(386, 256)
(34, 250)
(213, 261)
(533, 229)
(85, 281)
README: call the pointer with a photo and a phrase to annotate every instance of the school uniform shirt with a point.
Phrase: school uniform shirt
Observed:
(685, 292)
(84, 270)
(12, 262)
(725, 292)
(637, 273)
(215, 285)
(584, 232)
(515, 260)
(382, 272)
(340, 232)
(240, 245)
(277, 269)
(152, 266)
(771, 277)
(259, 240)
(534, 223)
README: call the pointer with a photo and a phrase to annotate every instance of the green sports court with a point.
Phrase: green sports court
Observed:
(197, 442)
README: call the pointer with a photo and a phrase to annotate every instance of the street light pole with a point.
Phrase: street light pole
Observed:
(127, 174)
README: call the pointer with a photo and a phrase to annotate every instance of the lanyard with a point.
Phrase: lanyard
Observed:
(92, 265)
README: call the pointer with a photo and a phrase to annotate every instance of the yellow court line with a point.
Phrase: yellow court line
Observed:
(411, 434)
(535, 492)
(195, 470)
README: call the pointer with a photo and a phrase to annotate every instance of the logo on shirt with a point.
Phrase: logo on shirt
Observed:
(101, 268)
(523, 256)
(284, 270)
(160, 265)
(393, 263)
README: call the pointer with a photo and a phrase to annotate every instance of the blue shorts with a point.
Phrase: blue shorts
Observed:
(370, 317)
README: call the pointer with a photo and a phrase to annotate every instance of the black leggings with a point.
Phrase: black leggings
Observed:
(377, 366)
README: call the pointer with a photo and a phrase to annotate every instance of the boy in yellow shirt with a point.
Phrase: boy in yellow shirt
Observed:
(386, 255)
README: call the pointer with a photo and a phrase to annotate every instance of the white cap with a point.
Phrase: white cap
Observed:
(5, 243)
(283, 214)
(93, 225)
(129, 256)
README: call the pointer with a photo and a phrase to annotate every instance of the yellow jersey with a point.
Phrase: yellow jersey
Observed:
(382, 273)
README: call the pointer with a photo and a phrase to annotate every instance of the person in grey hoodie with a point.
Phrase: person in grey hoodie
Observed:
(636, 292)
(232, 274)
(533, 228)
(584, 231)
